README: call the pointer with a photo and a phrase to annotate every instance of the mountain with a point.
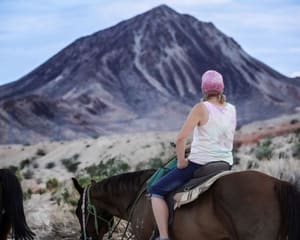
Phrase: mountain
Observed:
(141, 75)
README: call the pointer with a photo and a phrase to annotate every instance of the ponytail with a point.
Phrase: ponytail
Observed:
(221, 97)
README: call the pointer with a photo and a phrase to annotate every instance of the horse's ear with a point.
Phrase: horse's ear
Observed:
(93, 181)
(77, 186)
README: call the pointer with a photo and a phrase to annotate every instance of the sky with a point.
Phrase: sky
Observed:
(32, 31)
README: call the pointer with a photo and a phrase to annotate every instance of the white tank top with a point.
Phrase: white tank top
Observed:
(213, 141)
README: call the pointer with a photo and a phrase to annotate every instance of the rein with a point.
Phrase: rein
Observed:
(91, 210)
(131, 211)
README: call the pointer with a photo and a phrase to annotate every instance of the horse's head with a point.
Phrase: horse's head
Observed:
(94, 220)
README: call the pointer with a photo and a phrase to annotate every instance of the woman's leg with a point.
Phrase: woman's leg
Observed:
(161, 215)
(162, 188)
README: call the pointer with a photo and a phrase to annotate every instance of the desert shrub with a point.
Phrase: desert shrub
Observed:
(27, 194)
(95, 135)
(236, 160)
(112, 166)
(252, 165)
(28, 174)
(50, 165)
(294, 121)
(264, 149)
(42, 191)
(141, 166)
(86, 180)
(71, 164)
(41, 152)
(67, 197)
(296, 150)
(109, 168)
(16, 171)
(146, 146)
(35, 165)
(25, 163)
(154, 163)
(52, 184)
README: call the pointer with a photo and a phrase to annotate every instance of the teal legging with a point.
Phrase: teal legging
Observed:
(172, 180)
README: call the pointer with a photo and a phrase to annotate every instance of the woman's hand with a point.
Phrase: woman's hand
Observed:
(182, 164)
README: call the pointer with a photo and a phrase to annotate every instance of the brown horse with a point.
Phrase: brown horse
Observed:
(11, 208)
(246, 205)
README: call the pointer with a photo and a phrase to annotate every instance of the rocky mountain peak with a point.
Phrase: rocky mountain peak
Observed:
(142, 74)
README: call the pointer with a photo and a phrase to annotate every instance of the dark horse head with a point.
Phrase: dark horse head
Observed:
(11, 208)
(100, 201)
(93, 219)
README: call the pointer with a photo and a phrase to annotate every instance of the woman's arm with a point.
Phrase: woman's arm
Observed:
(195, 116)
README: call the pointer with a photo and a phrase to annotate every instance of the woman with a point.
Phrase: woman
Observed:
(213, 122)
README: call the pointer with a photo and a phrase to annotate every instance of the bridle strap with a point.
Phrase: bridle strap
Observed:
(83, 212)
(87, 209)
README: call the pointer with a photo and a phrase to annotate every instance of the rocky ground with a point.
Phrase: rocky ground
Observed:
(45, 169)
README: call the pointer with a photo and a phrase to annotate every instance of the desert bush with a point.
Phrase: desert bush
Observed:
(50, 165)
(294, 121)
(25, 163)
(42, 191)
(28, 174)
(146, 146)
(16, 171)
(67, 197)
(52, 184)
(41, 152)
(71, 164)
(154, 163)
(296, 150)
(141, 166)
(252, 165)
(264, 149)
(35, 165)
(236, 160)
(112, 166)
(27, 194)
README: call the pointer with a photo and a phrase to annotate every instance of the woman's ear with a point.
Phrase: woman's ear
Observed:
(77, 186)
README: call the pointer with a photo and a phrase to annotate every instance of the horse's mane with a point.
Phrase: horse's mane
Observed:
(131, 181)
(13, 205)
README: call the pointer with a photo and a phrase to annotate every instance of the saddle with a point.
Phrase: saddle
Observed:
(204, 173)
(200, 176)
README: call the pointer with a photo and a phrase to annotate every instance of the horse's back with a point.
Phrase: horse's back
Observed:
(247, 203)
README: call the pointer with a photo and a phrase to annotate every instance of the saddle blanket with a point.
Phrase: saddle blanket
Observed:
(192, 194)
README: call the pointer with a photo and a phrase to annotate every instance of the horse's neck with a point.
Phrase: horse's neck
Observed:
(118, 193)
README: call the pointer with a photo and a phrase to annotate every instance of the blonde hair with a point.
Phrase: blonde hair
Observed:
(207, 96)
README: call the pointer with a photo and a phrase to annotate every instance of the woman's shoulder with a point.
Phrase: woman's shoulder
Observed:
(200, 106)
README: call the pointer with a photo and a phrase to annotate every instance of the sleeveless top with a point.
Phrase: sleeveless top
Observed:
(213, 141)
